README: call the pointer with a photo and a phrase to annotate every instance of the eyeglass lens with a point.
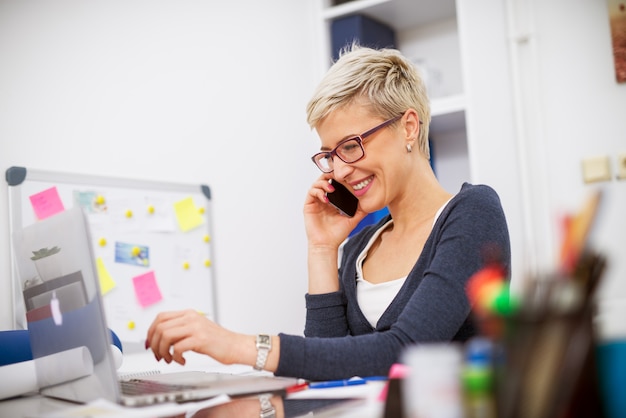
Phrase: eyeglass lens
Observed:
(348, 151)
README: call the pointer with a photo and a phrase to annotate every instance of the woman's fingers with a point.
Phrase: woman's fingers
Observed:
(168, 329)
(160, 318)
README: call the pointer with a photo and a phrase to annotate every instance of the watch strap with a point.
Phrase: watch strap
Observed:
(267, 409)
(263, 347)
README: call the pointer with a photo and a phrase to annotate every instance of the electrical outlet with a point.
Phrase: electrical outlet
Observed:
(596, 169)
(621, 166)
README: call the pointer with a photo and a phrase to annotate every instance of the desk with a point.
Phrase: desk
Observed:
(36, 405)
(367, 407)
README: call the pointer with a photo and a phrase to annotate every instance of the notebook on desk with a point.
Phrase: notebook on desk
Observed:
(69, 336)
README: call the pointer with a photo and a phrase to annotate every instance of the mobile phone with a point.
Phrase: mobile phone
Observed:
(342, 199)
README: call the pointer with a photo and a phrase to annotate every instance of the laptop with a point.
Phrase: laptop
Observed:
(69, 336)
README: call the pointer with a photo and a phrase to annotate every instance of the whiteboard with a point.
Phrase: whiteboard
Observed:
(152, 242)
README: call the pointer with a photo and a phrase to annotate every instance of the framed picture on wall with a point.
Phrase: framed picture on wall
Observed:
(617, 19)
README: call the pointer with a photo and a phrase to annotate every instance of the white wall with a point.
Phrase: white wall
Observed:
(186, 91)
(542, 96)
(583, 114)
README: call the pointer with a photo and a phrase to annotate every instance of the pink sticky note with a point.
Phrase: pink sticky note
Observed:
(147, 289)
(46, 203)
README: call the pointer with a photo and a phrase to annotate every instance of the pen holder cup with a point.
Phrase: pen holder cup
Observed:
(547, 366)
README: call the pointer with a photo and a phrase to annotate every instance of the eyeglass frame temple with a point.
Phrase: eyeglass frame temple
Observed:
(360, 139)
(379, 127)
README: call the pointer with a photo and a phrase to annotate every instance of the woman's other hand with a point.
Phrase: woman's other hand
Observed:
(173, 333)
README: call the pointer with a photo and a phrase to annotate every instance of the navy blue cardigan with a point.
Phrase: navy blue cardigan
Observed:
(431, 305)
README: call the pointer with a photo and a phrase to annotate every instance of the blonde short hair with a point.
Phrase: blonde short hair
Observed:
(387, 80)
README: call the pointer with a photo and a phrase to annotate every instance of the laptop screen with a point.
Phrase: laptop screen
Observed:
(69, 337)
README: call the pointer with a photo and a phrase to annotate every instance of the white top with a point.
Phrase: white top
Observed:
(375, 298)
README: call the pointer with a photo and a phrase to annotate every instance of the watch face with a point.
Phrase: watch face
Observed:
(263, 340)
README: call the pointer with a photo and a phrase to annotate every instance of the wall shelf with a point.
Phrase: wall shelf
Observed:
(447, 114)
(399, 14)
(427, 34)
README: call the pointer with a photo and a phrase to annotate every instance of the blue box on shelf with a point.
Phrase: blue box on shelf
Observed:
(363, 29)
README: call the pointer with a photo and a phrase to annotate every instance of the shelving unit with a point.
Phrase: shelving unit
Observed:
(427, 33)
(473, 130)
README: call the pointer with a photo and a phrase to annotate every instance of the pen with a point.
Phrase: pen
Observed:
(375, 378)
(297, 387)
(337, 383)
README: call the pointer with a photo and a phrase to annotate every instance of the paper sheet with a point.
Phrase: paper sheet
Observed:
(101, 408)
(370, 390)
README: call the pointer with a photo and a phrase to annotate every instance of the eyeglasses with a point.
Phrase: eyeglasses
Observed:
(350, 150)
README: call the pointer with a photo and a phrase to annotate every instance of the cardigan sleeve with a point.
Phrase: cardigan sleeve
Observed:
(326, 315)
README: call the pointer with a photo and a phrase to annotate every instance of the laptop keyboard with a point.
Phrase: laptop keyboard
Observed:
(136, 387)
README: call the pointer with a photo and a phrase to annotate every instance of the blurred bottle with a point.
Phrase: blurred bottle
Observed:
(432, 388)
(477, 379)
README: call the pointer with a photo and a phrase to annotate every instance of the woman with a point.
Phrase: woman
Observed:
(399, 282)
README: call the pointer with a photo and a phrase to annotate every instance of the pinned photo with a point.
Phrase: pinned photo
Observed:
(136, 255)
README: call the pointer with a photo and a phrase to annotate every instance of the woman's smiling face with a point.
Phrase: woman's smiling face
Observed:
(374, 178)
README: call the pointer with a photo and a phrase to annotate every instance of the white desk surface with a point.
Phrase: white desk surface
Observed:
(36, 405)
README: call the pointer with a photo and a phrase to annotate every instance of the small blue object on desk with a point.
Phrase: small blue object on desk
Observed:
(337, 383)
(15, 346)
(345, 382)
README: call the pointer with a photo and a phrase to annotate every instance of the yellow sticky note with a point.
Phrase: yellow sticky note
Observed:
(106, 281)
(187, 214)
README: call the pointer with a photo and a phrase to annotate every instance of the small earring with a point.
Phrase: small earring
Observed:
(409, 148)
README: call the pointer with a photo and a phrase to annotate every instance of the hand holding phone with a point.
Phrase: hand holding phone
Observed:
(342, 199)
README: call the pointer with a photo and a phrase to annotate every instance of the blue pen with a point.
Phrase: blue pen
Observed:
(375, 378)
(337, 383)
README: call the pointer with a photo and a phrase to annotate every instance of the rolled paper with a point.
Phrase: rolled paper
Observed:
(22, 378)
(31, 375)
(64, 366)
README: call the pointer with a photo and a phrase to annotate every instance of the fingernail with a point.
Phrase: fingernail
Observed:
(332, 189)
(147, 344)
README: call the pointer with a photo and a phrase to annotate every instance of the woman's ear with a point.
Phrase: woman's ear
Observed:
(411, 125)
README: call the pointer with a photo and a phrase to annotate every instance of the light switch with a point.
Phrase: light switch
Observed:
(596, 169)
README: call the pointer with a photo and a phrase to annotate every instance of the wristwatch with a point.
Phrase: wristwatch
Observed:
(263, 347)
(267, 409)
